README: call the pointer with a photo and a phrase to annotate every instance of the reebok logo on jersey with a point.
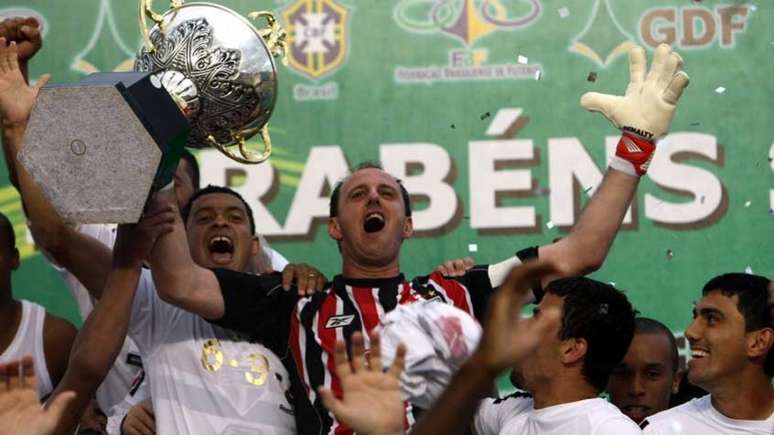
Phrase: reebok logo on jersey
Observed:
(339, 321)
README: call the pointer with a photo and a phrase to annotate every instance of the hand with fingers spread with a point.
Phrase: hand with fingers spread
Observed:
(139, 420)
(507, 337)
(370, 402)
(20, 410)
(306, 278)
(16, 97)
(645, 111)
(455, 268)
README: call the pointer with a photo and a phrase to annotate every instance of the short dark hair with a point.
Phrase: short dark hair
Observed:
(646, 325)
(193, 167)
(7, 227)
(334, 204)
(601, 315)
(753, 303)
(210, 189)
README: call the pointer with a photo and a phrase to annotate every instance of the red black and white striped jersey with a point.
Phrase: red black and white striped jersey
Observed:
(351, 305)
(258, 306)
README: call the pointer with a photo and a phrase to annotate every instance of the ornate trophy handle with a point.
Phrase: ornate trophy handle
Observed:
(146, 11)
(245, 156)
(273, 34)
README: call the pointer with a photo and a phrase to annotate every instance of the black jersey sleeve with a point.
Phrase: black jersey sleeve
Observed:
(257, 306)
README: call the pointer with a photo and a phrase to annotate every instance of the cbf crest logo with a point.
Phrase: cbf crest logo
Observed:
(318, 36)
(465, 20)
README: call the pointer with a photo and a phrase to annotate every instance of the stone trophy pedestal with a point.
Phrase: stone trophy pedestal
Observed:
(99, 146)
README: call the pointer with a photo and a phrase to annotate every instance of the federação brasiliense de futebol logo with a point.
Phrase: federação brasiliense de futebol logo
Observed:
(466, 21)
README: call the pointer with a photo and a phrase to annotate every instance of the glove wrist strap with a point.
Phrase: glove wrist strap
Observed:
(633, 154)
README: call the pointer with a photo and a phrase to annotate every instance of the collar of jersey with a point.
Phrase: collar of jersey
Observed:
(341, 281)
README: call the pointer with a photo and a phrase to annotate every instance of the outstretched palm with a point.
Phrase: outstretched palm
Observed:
(370, 402)
(16, 97)
(20, 409)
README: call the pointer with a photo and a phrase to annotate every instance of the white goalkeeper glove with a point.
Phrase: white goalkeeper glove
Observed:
(645, 112)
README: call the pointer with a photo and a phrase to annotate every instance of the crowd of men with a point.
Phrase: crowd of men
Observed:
(193, 325)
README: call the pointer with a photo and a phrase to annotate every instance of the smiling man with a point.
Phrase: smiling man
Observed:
(643, 383)
(731, 340)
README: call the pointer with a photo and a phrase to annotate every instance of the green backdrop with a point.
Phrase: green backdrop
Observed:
(475, 104)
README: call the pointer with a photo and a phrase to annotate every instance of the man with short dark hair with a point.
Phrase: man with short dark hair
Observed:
(644, 381)
(731, 339)
(569, 369)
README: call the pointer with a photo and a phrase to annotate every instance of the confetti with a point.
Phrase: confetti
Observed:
(485, 115)
(472, 247)
(669, 254)
(592, 77)
(549, 225)
(720, 90)
(586, 190)
(748, 270)
(747, 204)
(604, 308)
(701, 200)
(612, 283)
(522, 60)
(538, 74)
(564, 12)
(753, 8)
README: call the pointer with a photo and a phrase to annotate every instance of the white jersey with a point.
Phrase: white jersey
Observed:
(515, 414)
(29, 341)
(699, 417)
(205, 379)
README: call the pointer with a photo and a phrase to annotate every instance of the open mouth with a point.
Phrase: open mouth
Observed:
(374, 222)
(221, 249)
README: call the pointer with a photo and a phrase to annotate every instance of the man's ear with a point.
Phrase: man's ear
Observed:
(408, 227)
(573, 350)
(676, 381)
(15, 261)
(334, 230)
(255, 246)
(760, 342)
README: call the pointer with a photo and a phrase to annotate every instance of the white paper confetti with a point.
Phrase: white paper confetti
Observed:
(720, 90)
(522, 60)
(549, 225)
(747, 204)
(564, 12)
(612, 283)
(748, 270)
(472, 247)
(538, 74)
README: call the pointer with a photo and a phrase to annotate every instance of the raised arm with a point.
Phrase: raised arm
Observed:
(179, 280)
(644, 115)
(85, 257)
(506, 340)
(99, 341)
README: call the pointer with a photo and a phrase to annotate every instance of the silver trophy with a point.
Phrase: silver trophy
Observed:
(220, 70)
(205, 77)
